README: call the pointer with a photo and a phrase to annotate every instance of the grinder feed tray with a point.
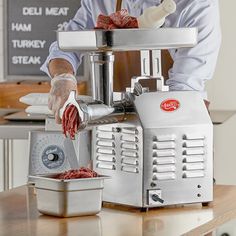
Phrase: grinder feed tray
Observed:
(126, 39)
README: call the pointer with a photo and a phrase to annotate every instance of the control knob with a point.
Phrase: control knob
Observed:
(52, 157)
(156, 198)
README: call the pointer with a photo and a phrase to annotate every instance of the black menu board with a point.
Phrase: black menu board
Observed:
(30, 28)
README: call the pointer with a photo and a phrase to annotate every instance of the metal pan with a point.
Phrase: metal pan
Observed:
(67, 198)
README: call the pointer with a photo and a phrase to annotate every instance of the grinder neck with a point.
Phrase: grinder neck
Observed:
(102, 71)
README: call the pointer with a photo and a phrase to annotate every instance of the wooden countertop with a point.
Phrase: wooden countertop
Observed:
(19, 217)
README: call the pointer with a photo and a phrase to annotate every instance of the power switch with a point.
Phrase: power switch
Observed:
(155, 198)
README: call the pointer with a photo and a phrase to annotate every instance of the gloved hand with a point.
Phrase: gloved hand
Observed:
(61, 86)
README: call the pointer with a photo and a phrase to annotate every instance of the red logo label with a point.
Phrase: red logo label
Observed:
(170, 105)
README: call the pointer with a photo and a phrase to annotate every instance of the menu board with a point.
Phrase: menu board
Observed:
(31, 27)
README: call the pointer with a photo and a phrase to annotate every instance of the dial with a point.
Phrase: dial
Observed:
(53, 157)
(47, 153)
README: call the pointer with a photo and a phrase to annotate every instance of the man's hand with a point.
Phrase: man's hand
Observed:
(61, 86)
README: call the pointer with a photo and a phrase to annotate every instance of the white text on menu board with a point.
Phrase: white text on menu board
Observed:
(48, 11)
(35, 44)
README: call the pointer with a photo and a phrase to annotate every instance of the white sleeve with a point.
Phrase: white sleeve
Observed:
(82, 20)
(194, 66)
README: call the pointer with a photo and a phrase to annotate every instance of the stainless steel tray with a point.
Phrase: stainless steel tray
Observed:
(50, 182)
(126, 39)
(67, 198)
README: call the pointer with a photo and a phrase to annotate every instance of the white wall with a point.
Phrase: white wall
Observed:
(20, 163)
(1, 165)
(224, 152)
(1, 41)
(221, 89)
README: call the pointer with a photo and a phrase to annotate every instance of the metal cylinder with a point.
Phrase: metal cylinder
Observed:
(100, 114)
(102, 76)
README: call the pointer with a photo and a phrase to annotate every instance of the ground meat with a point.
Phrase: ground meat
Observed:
(83, 172)
(118, 20)
(70, 121)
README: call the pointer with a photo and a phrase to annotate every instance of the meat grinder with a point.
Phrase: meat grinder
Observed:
(155, 145)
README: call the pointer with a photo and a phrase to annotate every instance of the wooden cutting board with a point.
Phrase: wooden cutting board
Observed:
(10, 92)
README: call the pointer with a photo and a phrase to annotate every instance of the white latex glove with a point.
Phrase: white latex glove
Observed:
(61, 86)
